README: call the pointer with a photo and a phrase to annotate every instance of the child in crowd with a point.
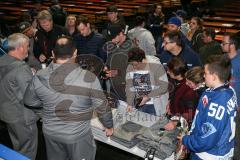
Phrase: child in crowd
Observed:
(183, 98)
(146, 83)
(213, 130)
(195, 80)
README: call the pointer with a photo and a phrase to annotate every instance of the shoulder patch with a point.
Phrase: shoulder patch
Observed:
(205, 100)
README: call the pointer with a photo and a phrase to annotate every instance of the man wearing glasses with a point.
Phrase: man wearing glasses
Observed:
(229, 46)
(174, 47)
(174, 24)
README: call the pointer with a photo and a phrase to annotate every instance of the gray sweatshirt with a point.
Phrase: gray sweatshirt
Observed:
(15, 75)
(143, 39)
(68, 95)
(158, 81)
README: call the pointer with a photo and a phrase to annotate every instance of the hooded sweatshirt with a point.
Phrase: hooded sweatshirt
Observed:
(143, 39)
(15, 75)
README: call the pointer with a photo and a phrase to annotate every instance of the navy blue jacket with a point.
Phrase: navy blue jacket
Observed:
(159, 42)
(190, 57)
(91, 44)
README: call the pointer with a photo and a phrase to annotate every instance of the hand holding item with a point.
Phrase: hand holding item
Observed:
(170, 125)
(179, 137)
(111, 73)
(129, 108)
(145, 99)
(103, 75)
(109, 131)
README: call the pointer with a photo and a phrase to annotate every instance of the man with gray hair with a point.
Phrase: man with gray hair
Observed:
(15, 76)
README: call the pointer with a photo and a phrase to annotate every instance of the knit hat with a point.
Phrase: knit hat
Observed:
(23, 27)
(174, 20)
(113, 30)
(181, 13)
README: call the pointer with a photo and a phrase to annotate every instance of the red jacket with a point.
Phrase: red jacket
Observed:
(184, 101)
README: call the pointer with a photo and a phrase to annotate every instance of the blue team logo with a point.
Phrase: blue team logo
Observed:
(208, 129)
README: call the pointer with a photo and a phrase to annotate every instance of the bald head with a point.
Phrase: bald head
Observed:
(64, 48)
(62, 41)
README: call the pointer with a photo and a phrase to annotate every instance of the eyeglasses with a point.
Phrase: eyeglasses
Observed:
(224, 43)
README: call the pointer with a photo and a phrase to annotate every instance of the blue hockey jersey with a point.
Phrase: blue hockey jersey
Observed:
(213, 129)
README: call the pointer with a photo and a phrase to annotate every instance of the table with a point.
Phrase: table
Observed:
(227, 14)
(218, 24)
(99, 135)
(223, 19)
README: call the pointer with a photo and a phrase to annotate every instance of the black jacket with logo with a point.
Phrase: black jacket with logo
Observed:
(45, 41)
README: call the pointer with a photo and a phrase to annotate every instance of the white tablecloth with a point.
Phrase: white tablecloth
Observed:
(136, 117)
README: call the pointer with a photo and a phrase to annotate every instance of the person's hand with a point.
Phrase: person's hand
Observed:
(108, 131)
(112, 73)
(105, 68)
(144, 100)
(129, 108)
(179, 137)
(34, 71)
(170, 125)
(42, 58)
(107, 72)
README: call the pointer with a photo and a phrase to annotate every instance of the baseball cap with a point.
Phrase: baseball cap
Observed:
(174, 20)
(180, 13)
(113, 30)
(23, 27)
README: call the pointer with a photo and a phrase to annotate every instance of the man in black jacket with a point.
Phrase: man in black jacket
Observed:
(88, 41)
(46, 36)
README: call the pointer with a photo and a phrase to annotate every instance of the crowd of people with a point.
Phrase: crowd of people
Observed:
(60, 68)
